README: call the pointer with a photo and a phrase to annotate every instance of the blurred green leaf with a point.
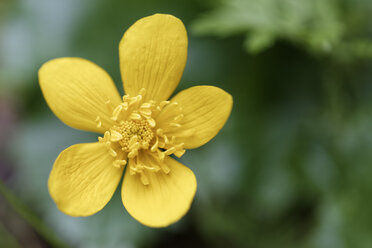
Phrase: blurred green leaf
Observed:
(6, 239)
(258, 41)
(319, 26)
(30, 217)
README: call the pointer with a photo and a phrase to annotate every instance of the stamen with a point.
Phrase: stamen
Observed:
(136, 128)
(170, 151)
(154, 169)
(151, 122)
(155, 146)
(180, 153)
(133, 140)
(135, 146)
(115, 136)
(135, 116)
(163, 103)
(133, 171)
(119, 163)
(146, 105)
(107, 135)
(175, 125)
(146, 112)
(116, 112)
(132, 100)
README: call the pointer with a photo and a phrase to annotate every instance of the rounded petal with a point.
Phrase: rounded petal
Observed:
(78, 91)
(206, 110)
(153, 53)
(83, 179)
(165, 199)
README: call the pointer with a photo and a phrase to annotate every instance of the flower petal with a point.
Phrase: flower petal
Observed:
(83, 179)
(205, 110)
(165, 199)
(153, 54)
(78, 91)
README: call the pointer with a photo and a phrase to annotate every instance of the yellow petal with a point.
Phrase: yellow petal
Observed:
(153, 54)
(78, 91)
(165, 199)
(83, 179)
(205, 110)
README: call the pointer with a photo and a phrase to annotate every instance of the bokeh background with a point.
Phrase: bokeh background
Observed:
(291, 168)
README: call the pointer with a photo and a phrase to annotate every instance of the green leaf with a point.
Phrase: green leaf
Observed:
(318, 26)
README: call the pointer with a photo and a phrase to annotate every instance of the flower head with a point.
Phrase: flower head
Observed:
(139, 131)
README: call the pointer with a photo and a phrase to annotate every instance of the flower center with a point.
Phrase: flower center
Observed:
(133, 132)
(144, 125)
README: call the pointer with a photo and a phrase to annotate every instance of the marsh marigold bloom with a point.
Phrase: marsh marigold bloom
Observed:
(140, 131)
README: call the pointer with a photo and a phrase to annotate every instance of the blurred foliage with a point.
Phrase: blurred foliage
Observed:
(320, 26)
(291, 168)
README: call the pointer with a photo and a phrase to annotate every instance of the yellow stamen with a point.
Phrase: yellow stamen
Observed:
(134, 130)
(119, 163)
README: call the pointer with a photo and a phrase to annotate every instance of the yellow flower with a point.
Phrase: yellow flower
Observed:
(140, 130)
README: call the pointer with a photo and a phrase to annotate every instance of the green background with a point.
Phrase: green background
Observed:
(291, 168)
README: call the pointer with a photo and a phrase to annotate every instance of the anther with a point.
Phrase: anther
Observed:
(154, 168)
(115, 136)
(170, 151)
(135, 116)
(116, 112)
(155, 146)
(146, 105)
(133, 140)
(151, 122)
(180, 153)
(146, 112)
(118, 163)
(163, 103)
